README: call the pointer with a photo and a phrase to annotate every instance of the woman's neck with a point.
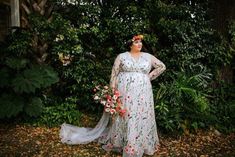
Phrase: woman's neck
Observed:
(135, 52)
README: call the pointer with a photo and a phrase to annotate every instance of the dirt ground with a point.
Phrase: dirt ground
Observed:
(27, 140)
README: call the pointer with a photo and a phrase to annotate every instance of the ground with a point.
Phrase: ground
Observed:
(27, 140)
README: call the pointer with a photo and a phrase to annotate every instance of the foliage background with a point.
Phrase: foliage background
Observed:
(196, 90)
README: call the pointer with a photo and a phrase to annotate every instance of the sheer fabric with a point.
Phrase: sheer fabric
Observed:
(136, 132)
(71, 134)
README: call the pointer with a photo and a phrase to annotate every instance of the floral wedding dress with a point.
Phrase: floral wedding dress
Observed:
(134, 134)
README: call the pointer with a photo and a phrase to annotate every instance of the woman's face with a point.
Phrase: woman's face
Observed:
(136, 45)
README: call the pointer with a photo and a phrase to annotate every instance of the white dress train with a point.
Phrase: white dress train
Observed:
(71, 134)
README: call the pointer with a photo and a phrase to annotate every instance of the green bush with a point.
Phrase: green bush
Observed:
(179, 33)
(28, 63)
(21, 85)
(223, 88)
(58, 114)
(224, 106)
(23, 79)
(183, 104)
(79, 79)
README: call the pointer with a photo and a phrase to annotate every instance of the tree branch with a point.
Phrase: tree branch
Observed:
(42, 3)
(36, 7)
(26, 9)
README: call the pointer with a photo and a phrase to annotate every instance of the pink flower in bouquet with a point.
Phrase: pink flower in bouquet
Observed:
(122, 112)
(108, 97)
(112, 111)
(116, 92)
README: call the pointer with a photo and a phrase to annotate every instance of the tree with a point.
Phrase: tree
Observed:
(30, 55)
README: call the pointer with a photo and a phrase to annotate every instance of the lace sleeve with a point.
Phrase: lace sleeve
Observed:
(158, 66)
(115, 71)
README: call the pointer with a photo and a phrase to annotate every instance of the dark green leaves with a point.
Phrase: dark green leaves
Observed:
(10, 105)
(16, 63)
(34, 107)
(5, 77)
(34, 78)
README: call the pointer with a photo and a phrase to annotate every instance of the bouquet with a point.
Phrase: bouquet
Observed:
(110, 99)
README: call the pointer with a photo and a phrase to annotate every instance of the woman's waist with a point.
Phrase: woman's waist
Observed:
(133, 73)
(134, 77)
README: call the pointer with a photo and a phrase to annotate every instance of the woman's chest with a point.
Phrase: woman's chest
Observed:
(140, 64)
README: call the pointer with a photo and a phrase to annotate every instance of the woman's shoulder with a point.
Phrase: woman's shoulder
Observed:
(120, 55)
(147, 54)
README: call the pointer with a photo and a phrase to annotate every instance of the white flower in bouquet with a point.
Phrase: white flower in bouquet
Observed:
(107, 105)
(115, 97)
(112, 105)
(107, 109)
(96, 98)
(103, 102)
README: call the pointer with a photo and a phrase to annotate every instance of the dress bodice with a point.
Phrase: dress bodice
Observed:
(142, 64)
(124, 62)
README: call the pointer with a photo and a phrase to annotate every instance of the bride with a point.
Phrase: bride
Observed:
(135, 133)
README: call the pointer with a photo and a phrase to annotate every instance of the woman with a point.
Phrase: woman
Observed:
(136, 132)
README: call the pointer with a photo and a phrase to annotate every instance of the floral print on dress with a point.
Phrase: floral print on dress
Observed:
(136, 132)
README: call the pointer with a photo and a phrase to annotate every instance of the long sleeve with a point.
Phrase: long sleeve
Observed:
(115, 71)
(158, 66)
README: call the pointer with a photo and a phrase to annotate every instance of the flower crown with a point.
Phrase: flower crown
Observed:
(137, 37)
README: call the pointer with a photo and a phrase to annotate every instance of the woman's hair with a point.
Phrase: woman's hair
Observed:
(128, 44)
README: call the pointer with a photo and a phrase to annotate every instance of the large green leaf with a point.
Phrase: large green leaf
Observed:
(49, 76)
(34, 78)
(26, 82)
(34, 107)
(10, 105)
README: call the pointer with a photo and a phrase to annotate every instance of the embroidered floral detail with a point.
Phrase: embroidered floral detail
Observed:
(129, 149)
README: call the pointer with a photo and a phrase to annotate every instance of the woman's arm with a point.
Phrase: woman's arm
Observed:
(158, 66)
(115, 71)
